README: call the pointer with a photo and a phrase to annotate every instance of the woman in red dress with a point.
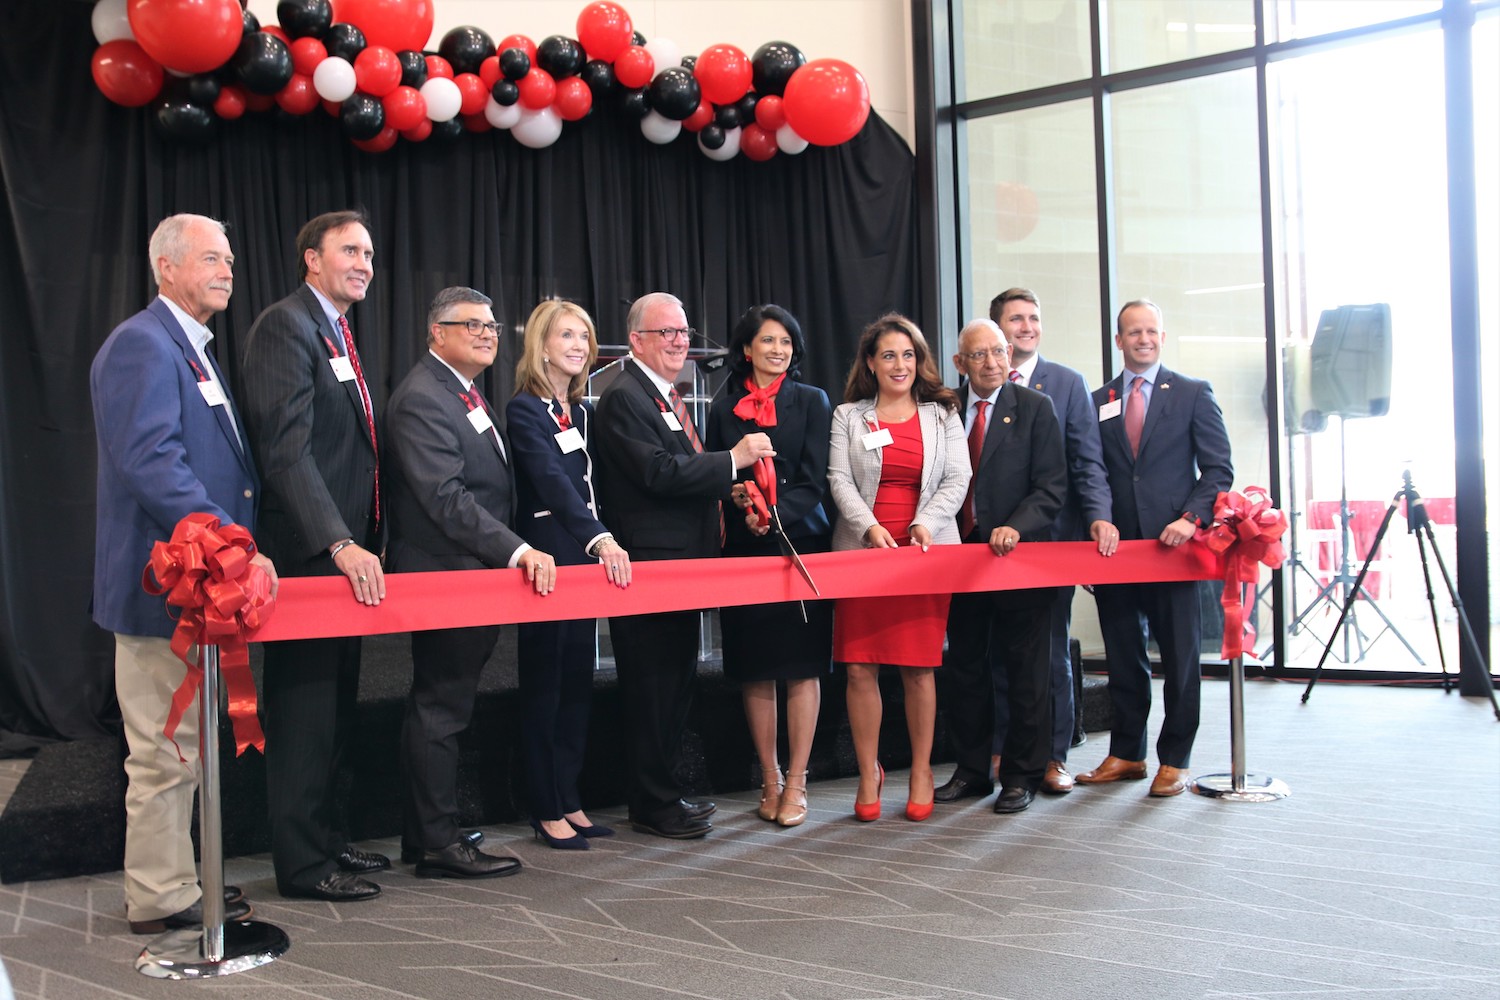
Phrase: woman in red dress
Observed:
(898, 469)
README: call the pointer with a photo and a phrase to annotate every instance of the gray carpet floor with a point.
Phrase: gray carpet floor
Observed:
(1378, 877)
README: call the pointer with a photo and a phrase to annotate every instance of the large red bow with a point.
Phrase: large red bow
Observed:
(205, 570)
(1246, 531)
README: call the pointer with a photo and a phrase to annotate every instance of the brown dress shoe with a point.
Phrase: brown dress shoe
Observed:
(1169, 781)
(1057, 780)
(1114, 769)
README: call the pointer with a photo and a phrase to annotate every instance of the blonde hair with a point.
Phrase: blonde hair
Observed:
(531, 369)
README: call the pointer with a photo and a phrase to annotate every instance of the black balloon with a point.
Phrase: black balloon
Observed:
(263, 63)
(184, 120)
(203, 89)
(746, 107)
(600, 76)
(345, 41)
(560, 56)
(773, 65)
(505, 93)
(284, 119)
(635, 104)
(447, 131)
(303, 18)
(712, 136)
(514, 63)
(689, 62)
(636, 38)
(465, 48)
(413, 68)
(727, 116)
(363, 117)
(675, 93)
(251, 23)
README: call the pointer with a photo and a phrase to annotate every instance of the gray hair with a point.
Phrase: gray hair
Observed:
(170, 239)
(982, 324)
(637, 314)
(450, 297)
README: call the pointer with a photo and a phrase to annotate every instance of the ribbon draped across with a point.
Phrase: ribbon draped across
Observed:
(1246, 532)
(205, 570)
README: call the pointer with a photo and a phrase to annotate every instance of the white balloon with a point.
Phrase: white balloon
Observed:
(659, 129)
(441, 94)
(538, 128)
(789, 141)
(111, 21)
(501, 116)
(334, 79)
(665, 52)
(728, 151)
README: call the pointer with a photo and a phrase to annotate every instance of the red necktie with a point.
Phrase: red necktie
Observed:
(679, 410)
(1135, 415)
(1015, 376)
(364, 397)
(976, 447)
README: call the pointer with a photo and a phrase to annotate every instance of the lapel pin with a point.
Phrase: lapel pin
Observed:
(1005, 420)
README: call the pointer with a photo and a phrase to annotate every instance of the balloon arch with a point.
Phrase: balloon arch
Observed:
(361, 61)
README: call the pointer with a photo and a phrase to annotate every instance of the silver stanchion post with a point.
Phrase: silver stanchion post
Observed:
(1239, 786)
(215, 949)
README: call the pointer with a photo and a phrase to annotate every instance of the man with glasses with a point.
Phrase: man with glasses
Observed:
(452, 499)
(661, 496)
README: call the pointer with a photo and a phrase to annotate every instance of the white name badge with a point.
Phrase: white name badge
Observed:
(480, 418)
(213, 393)
(343, 370)
(568, 441)
(1109, 409)
(671, 418)
(878, 439)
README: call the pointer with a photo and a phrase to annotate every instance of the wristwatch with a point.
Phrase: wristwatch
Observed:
(1188, 515)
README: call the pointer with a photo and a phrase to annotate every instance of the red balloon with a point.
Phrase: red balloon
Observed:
(698, 120)
(276, 31)
(604, 30)
(827, 102)
(473, 92)
(125, 74)
(438, 66)
(757, 143)
(393, 24)
(723, 71)
(377, 71)
(335, 109)
(230, 104)
(259, 102)
(770, 113)
(405, 108)
(192, 36)
(476, 123)
(489, 71)
(298, 96)
(385, 140)
(307, 52)
(634, 67)
(537, 87)
(518, 42)
(574, 99)
(422, 130)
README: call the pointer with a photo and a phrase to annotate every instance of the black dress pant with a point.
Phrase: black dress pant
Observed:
(1171, 611)
(556, 666)
(656, 658)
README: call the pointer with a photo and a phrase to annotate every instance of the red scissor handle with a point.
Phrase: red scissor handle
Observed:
(758, 505)
(765, 478)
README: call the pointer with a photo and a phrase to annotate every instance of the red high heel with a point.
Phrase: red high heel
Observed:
(918, 811)
(870, 812)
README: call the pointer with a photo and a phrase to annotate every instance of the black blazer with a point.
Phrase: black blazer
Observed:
(449, 489)
(310, 438)
(1022, 477)
(556, 509)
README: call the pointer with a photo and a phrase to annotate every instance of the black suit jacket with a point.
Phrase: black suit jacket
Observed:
(555, 506)
(310, 438)
(449, 489)
(1022, 477)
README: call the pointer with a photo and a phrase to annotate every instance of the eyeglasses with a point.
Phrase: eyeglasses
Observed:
(474, 326)
(978, 357)
(673, 332)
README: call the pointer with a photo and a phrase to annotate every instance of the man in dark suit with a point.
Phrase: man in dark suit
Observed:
(1085, 513)
(1020, 479)
(661, 496)
(1167, 452)
(452, 500)
(170, 444)
(311, 424)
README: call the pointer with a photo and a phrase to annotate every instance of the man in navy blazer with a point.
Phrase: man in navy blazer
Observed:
(661, 495)
(1167, 452)
(1085, 514)
(171, 443)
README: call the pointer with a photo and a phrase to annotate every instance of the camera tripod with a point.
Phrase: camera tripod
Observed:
(1419, 524)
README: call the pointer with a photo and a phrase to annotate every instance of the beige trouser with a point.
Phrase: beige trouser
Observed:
(160, 876)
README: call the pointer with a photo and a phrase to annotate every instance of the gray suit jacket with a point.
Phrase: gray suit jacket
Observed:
(854, 472)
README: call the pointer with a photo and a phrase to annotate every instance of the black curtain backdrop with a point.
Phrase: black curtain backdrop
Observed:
(600, 218)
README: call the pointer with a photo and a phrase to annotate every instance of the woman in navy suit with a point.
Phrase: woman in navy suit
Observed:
(770, 642)
(548, 423)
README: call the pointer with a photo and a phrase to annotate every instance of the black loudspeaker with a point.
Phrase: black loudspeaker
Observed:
(1351, 361)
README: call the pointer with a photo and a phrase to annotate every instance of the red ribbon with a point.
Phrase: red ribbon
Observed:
(1246, 532)
(205, 570)
(759, 405)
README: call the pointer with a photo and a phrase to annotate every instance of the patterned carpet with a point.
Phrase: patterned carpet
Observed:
(1377, 877)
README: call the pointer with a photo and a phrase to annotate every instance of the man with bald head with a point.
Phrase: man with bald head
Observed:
(1020, 480)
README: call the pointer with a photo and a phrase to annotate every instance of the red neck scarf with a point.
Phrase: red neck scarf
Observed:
(759, 404)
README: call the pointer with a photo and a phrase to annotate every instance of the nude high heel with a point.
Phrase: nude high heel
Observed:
(770, 793)
(793, 800)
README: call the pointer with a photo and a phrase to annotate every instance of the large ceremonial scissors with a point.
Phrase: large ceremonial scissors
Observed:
(762, 494)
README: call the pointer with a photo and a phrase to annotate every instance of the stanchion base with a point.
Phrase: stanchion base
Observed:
(248, 944)
(1258, 788)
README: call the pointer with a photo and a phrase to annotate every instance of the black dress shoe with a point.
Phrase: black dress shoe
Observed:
(673, 827)
(1014, 799)
(233, 894)
(961, 788)
(411, 855)
(351, 859)
(1080, 737)
(336, 887)
(191, 917)
(697, 810)
(461, 859)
